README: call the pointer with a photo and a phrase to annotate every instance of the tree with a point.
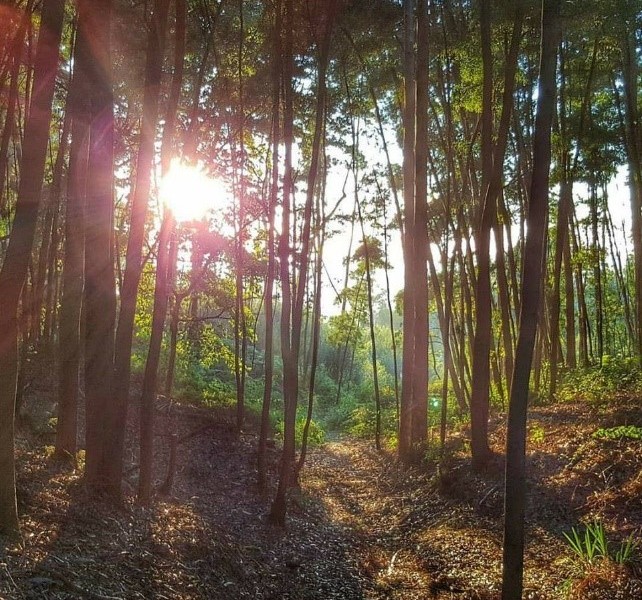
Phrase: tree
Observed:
(271, 258)
(291, 324)
(532, 275)
(492, 172)
(139, 202)
(414, 389)
(16, 262)
(94, 22)
(74, 257)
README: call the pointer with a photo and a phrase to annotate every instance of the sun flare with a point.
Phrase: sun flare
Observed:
(189, 193)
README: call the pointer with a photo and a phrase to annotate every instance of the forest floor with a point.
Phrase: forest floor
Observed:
(361, 526)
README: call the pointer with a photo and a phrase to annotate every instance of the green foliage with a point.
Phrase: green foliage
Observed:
(589, 547)
(536, 434)
(616, 375)
(622, 432)
(626, 551)
(592, 546)
(316, 434)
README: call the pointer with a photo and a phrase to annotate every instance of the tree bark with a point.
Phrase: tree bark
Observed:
(492, 171)
(271, 267)
(134, 262)
(408, 347)
(16, 262)
(532, 276)
(291, 327)
(73, 270)
(150, 378)
(100, 283)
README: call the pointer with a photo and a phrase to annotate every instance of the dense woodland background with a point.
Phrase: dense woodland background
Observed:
(496, 146)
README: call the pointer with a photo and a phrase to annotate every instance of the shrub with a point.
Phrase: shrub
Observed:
(616, 375)
(316, 434)
(622, 432)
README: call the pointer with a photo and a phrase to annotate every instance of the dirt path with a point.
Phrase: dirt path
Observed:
(360, 491)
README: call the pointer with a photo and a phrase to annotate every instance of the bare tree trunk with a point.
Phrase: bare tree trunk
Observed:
(12, 103)
(139, 201)
(74, 262)
(100, 288)
(150, 377)
(492, 171)
(16, 262)
(271, 272)
(532, 276)
(290, 383)
(419, 425)
(164, 276)
(409, 115)
(240, 326)
(291, 336)
(630, 70)
(571, 356)
(316, 334)
(373, 343)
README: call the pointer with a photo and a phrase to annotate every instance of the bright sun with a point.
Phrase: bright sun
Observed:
(190, 193)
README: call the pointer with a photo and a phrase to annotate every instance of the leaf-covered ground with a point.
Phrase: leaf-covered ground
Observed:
(360, 527)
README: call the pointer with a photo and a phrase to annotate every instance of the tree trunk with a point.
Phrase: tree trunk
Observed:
(421, 244)
(240, 326)
(100, 289)
(150, 377)
(16, 262)
(271, 267)
(139, 201)
(316, 334)
(12, 103)
(73, 271)
(409, 114)
(291, 328)
(492, 171)
(290, 383)
(532, 276)
(630, 70)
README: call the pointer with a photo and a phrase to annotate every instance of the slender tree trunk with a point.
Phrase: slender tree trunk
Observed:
(73, 272)
(12, 103)
(291, 336)
(532, 276)
(173, 331)
(479, 406)
(290, 383)
(316, 335)
(240, 335)
(566, 198)
(393, 337)
(167, 152)
(419, 425)
(581, 301)
(138, 204)
(150, 377)
(492, 171)
(409, 115)
(271, 272)
(100, 288)
(630, 70)
(16, 262)
(371, 323)
(164, 276)
(571, 356)
(597, 275)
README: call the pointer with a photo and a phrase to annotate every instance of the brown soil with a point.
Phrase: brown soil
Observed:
(360, 527)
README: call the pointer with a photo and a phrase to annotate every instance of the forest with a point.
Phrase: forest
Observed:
(321, 299)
